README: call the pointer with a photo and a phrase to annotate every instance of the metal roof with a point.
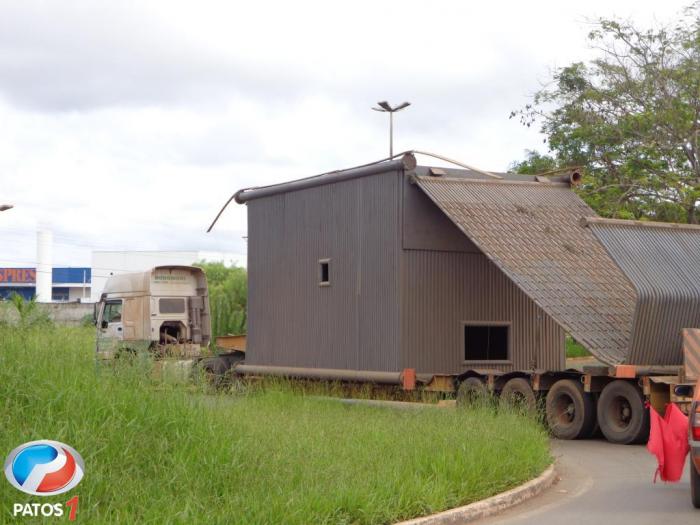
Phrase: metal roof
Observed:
(663, 263)
(533, 232)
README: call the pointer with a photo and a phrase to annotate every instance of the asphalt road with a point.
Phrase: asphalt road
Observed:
(604, 484)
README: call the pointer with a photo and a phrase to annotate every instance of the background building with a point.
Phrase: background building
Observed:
(67, 284)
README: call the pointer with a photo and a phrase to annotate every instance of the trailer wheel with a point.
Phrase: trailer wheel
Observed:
(471, 391)
(570, 411)
(215, 369)
(622, 416)
(694, 484)
(517, 392)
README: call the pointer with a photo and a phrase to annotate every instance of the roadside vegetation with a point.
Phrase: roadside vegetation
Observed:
(575, 349)
(158, 452)
(23, 313)
(228, 297)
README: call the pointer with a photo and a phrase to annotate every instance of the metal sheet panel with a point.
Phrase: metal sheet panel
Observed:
(351, 324)
(663, 263)
(532, 232)
(442, 290)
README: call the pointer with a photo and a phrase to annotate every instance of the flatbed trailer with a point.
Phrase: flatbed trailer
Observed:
(577, 402)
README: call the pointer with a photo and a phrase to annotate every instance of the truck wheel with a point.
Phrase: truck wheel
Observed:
(694, 484)
(471, 391)
(517, 392)
(622, 416)
(215, 369)
(570, 411)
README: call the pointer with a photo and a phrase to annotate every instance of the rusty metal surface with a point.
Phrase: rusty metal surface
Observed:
(691, 353)
(532, 232)
(231, 342)
(663, 263)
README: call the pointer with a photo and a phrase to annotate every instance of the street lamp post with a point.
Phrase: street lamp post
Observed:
(384, 107)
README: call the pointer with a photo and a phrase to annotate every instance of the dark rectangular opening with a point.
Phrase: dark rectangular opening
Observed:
(325, 272)
(485, 342)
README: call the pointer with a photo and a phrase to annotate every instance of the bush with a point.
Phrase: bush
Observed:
(228, 297)
(29, 312)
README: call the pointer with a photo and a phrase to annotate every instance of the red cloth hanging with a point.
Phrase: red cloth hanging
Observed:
(668, 441)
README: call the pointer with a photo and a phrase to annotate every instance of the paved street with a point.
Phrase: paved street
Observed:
(605, 484)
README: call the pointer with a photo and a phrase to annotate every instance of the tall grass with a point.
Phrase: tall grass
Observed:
(159, 453)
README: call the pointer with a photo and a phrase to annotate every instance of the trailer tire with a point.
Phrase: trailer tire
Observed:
(694, 484)
(215, 369)
(471, 391)
(570, 411)
(517, 392)
(622, 416)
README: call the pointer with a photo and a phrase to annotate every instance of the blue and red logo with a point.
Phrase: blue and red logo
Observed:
(44, 468)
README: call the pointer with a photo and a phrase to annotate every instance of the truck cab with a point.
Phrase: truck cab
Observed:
(163, 311)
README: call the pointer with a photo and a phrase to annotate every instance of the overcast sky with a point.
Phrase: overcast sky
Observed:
(126, 125)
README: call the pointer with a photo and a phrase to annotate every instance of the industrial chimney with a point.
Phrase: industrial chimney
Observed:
(44, 241)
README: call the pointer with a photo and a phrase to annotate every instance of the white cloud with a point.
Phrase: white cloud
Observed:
(127, 125)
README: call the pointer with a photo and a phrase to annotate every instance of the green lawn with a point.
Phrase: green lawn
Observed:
(165, 454)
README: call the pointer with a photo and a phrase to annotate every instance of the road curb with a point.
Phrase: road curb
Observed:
(492, 505)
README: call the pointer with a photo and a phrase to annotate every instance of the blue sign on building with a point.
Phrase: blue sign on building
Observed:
(69, 284)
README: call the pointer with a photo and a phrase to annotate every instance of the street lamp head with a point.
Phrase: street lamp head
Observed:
(385, 107)
(5, 207)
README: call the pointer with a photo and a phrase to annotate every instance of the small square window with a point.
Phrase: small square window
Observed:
(324, 278)
(486, 342)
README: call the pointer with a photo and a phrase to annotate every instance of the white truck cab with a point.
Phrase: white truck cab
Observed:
(164, 311)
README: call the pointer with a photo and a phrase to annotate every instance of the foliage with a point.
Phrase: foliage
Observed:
(631, 117)
(29, 312)
(533, 164)
(228, 297)
(158, 453)
(574, 348)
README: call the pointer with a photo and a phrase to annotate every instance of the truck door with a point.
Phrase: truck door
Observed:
(110, 330)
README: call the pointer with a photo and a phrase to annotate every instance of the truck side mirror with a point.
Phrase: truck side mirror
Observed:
(104, 324)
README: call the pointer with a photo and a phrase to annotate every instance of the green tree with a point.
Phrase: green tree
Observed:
(631, 117)
(228, 297)
(534, 163)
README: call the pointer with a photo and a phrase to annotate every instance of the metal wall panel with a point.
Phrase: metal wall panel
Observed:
(532, 232)
(353, 323)
(441, 290)
(663, 263)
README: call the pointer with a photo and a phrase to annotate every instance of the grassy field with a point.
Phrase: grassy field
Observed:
(158, 453)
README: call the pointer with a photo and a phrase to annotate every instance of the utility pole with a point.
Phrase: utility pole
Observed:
(385, 107)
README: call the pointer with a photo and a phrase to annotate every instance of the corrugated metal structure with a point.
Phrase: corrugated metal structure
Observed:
(663, 263)
(531, 231)
(392, 265)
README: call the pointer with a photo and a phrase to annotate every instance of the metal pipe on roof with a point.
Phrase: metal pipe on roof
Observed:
(328, 374)
(407, 162)
(572, 177)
